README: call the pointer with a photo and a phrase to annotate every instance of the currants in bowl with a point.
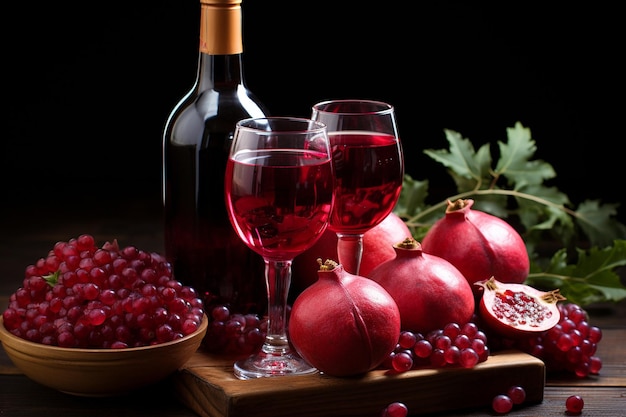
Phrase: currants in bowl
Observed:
(113, 316)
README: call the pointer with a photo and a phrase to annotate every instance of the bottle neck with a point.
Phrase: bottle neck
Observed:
(221, 46)
(220, 72)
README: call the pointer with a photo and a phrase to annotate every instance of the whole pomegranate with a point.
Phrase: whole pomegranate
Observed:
(430, 292)
(479, 244)
(344, 324)
(517, 310)
(377, 247)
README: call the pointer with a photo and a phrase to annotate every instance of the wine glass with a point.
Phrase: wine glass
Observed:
(369, 169)
(279, 188)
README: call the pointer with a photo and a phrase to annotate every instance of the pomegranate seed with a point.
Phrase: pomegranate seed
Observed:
(469, 358)
(517, 394)
(396, 409)
(422, 348)
(402, 361)
(407, 340)
(574, 404)
(595, 364)
(502, 404)
(450, 346)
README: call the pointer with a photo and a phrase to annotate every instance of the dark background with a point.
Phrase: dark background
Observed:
(87, 86)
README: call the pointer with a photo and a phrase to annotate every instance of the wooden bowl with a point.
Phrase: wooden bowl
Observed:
(99, 372)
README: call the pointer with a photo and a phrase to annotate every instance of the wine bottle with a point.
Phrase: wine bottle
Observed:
(200, 242)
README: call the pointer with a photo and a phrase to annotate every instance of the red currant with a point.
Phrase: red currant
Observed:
(517, 394)
(574, 404)
(396, 409)
(502, 404)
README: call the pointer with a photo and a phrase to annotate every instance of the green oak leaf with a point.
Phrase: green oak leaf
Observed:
(515, 161)
(413, 196)
(462, 158)
(593, 278)
(598, 223)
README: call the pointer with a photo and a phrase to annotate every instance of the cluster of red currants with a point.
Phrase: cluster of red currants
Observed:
(84, 296)
(454, 345)
(570, 346)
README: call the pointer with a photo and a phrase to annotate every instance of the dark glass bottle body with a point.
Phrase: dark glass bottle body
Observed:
(200, 242)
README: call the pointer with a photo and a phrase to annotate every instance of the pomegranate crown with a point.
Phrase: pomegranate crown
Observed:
(327, 265)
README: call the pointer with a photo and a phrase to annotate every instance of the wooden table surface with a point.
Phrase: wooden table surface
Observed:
(27, 233)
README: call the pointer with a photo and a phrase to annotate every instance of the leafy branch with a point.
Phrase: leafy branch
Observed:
(578, 249)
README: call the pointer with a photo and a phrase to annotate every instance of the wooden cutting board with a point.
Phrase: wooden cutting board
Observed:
(206, 385)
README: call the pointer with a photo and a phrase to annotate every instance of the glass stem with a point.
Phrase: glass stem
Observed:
(277, 281)
(350, 252)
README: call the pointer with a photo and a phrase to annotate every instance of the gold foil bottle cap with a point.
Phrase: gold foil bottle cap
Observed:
(220, 1)
(220, 27)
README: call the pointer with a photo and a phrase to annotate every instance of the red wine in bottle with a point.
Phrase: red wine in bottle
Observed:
(200, 243)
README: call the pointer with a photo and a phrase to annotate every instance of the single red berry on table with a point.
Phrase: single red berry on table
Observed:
(502, 404)
(395, 409)
(517, 394)
(574, 404)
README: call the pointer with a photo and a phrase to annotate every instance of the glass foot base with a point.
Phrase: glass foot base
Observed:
(262, 365)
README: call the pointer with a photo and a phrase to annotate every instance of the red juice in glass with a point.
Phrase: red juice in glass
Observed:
(368, 179)
(283, 214)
